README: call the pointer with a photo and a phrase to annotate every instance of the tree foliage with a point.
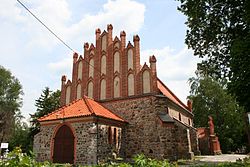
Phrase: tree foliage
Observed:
(10, 102)
(46, 103)
(209, 98)
(213, 25)
(219, 32)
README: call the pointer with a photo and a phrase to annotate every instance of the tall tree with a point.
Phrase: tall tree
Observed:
(10, 102)
(219, 33)
(46, 103)
(210, 98)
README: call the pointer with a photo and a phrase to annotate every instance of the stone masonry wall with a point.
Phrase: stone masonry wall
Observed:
(106, 149)
(42, 143)
(85, 143)
(145, 134)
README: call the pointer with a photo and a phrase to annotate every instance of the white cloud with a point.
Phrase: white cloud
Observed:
(56, 14)
(174, 68)
(64, 66)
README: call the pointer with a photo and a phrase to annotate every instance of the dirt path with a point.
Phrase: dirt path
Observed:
(221, 158)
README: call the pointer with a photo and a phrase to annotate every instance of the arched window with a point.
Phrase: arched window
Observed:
(130, 59)
(91, 68)
(103, 89)
(131, 85)
(104, 42)
(68, 91)
(116, 87)
(117, 62)
(90, 89)
(103, 65)
(146, 81)
(79, 71)
(78, 91)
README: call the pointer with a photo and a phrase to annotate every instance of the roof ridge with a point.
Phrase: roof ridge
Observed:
(88, 105)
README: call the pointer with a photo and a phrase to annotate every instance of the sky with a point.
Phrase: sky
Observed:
(38, 59)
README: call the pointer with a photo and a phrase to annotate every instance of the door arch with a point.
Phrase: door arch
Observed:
(63, 151)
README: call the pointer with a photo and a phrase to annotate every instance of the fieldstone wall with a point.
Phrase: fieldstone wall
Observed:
(42, 143)
(108, 150)
(145, 134)
(86, 142)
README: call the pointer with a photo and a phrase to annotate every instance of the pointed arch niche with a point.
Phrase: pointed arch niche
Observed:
(68, 92)
(130, 59)
(90, 89)
(103, 64)
(116, 87)
(117, 62)
(91, 68)
(103, 89)
(146, 81)
(104, 42)
(79, 71)
(131, 85)
(78, 91)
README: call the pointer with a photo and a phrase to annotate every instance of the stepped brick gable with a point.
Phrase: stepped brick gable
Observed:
(115, 107)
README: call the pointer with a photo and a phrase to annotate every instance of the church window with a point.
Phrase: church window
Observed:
(179, 116)
(68, 92)
(104, 42)
(103, 89)
(130, 59)
(146, 81)
(103, 65)
(78, 91)
(131, 85)
(79, 71)
(90, 89)
(115, 136)
(116, 87)
(116, 62)
(109, 135)
(91, 68)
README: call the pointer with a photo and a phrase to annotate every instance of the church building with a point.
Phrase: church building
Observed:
(115, 107)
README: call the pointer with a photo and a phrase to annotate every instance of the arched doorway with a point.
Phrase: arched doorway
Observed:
(63, 146)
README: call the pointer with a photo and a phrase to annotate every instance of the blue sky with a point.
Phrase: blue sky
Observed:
(38, 59)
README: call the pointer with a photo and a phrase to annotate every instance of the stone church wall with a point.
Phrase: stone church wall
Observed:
(42, 143)
(86, 142)
(145, 134)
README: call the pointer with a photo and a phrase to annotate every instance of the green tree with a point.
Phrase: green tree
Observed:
(10, 102)
(20, 136)
(46, 103)
(210, 98)
(219, 33)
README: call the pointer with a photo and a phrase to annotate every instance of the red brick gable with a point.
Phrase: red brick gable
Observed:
(81, 108)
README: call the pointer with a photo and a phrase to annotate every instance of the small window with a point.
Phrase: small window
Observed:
(180, 116)
(110, 135)
(115, 136)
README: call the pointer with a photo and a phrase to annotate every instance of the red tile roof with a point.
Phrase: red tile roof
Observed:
(80, 108)
(167, 92)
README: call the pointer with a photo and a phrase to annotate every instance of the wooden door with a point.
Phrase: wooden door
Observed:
(64, 146)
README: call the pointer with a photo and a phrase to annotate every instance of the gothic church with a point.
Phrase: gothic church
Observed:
(114, 107)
